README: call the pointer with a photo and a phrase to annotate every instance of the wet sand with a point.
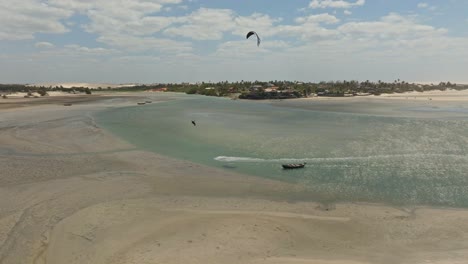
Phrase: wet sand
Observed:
(70, 192)
(16, 102)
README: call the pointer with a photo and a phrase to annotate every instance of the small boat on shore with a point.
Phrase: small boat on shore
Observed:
(67, 104)
(148, 102)
(294, 166)
(141, 103)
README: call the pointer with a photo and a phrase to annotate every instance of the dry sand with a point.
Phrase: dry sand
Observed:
(449, 95)
(72, 193)
(450, 104)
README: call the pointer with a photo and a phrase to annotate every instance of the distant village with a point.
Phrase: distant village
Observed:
(288, 89)
(250, 90)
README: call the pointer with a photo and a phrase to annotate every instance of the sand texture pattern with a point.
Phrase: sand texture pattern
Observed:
(70, 192)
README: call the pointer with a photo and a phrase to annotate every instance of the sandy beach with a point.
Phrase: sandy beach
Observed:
(449, 95)
(71, 192)
(446, 103)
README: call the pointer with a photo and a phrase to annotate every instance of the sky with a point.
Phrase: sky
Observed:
(159, 41)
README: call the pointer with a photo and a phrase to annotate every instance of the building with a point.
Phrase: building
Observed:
(271, 89)
(255, 88)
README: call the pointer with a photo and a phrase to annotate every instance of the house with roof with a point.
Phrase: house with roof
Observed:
(256, 88)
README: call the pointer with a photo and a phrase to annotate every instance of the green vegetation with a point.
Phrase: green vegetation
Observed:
(13, 88)
(256, 90)
(290, 89)
(41, 90)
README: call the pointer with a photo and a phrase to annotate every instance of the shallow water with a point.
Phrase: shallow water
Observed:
(350, 156)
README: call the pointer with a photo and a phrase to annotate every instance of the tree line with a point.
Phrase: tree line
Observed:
(41, 90)
(243, 89)
(299, 89)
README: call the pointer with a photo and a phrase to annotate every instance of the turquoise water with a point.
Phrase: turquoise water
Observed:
(350, 156)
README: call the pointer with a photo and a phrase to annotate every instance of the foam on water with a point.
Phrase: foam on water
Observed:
(336, 159)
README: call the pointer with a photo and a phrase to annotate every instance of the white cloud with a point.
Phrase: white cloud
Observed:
(138, 44)
(423, 5)
(77, 49)
(126, 17)
(139, 26)
(335, 4)
(212, 24)
(115, 7)
(125, 21)
(22, 19)
(426, 6)
(205, 24)
(257, 22)
(137, 33)
(122, 23)
(390, 27)
(246, 49)
(239, 49)
(44, 45)
(310, 27)
(394, 39)
(136, 59)
(316, 19)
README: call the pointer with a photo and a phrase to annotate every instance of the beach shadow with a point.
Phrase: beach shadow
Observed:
(229, 166)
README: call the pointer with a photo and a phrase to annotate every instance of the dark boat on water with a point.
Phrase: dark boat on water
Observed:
(294, 166)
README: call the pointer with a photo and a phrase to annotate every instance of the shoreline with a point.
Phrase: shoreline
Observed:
(449, 95)
(78, 208)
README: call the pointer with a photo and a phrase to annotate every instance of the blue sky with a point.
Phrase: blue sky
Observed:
(148, 41)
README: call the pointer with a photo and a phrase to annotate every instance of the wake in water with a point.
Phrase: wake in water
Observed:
(336, 159)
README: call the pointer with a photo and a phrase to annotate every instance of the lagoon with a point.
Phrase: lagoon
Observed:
(400, 153)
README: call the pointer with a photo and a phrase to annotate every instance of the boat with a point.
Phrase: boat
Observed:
(67, 104)
(294, 165)
(148, 102)
(141, 103)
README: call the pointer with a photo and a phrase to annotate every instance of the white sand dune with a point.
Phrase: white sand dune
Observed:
(81, 84)
(72, 193)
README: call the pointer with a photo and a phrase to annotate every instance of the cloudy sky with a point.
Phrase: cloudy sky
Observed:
(146, 41)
